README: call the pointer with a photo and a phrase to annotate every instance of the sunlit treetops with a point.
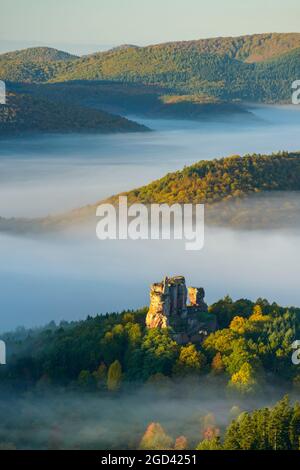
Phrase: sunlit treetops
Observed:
(214, 180)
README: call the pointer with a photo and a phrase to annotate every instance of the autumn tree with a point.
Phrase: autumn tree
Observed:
(99, 375)
(155, 438)
(210, 444)
(243, 380)
(190, 360)
(181, 443)
(114, 376)
(217, 364)
(238, 325)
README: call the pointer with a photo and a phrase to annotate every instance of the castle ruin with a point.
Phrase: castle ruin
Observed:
(169, 309)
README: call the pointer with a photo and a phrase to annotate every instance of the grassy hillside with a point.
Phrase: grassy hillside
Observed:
(258, 67)
(25, 113)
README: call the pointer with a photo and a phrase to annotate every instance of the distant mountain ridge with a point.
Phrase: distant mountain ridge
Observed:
(248, 48)
(36, 64)
(257, 68)
(39, 54)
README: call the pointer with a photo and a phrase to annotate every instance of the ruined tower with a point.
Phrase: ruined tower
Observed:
(168, 308)
(167, 299)
(196, 297)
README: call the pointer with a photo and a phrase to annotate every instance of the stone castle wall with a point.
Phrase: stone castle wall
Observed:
(169, 308)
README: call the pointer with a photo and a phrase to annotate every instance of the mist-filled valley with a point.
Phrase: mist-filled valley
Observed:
(65, 279)
(149, 233)
(182, 411)
(51, 174)
(70, 275)
(108, 382)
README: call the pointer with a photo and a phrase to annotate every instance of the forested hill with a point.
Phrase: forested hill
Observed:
(252, 344)
(36, 64)
(38, 54)
(249, 48)
(251, 68)
(191, 70)
(222, 179)
(24, 113)
(254, 191)
(77, 371)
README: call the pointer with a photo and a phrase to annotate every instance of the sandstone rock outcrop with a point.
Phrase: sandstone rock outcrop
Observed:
(169, 309)
(196, 298)
(167, 299)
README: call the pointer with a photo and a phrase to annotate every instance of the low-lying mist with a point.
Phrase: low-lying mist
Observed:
(70, 276)
(69, 420)
(51, 174)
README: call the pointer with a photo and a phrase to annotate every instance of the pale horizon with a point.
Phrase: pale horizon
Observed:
(89, 48)
(85, 26)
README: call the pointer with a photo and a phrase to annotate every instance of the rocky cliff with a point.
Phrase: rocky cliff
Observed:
(169, 309)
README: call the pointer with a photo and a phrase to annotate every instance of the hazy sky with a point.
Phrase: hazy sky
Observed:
(111, 22)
